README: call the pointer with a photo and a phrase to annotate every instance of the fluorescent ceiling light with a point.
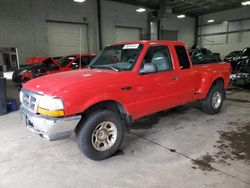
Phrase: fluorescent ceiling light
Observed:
(79, 1)
(140, 10)
(245, 3)
(181, 16)
(210, 21)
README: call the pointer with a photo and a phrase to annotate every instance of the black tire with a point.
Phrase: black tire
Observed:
(86, 132)
(207, 104)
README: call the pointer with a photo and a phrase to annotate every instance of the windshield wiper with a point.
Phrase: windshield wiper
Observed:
(110, 67)
(89, 67)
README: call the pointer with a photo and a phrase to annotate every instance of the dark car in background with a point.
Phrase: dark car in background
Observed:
(48, 65)
(203, 56)
(236, 58)
(232, 56)
(241, 69)
(245, 55)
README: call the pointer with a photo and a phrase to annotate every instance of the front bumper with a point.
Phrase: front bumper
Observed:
(47, 127)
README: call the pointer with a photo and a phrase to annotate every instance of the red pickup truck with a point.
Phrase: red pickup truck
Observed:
(125, 82)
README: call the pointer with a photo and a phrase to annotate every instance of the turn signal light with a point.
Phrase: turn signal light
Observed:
(56, 113)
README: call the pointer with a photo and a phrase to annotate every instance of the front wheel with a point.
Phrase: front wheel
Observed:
(100, 135)
(213, 103)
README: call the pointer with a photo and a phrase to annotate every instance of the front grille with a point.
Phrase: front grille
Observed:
(30, 100)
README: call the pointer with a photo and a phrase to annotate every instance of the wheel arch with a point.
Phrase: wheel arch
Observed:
(111, 105)
(218, 81)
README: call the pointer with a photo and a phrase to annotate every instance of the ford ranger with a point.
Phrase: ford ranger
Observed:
(125, 82)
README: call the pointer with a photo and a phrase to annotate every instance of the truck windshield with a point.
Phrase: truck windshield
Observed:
(117, 57)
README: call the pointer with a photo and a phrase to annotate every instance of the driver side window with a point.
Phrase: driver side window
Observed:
(160, 57)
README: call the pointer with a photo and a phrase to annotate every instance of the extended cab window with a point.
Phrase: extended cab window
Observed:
(159, 56)
(182, 57)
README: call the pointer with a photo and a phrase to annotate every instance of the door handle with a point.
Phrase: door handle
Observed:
(175, 77)
(126, 88)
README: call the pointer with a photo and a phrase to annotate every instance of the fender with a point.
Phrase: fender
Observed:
(207, 81)
(81, 104)
(98, 99)
(120, 108)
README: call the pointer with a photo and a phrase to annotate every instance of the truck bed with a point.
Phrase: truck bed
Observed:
(206, 73)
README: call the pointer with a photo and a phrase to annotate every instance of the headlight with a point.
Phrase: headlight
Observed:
(51, 103)
(50, 106)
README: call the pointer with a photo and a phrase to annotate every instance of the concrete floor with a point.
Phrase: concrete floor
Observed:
(181, 147)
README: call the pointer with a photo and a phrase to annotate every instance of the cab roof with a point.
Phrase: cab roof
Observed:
(152, 42)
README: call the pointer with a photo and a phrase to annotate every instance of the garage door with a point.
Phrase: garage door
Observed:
(127, 34)
(64, 38)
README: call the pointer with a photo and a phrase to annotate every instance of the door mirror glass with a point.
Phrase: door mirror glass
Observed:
(148, 68)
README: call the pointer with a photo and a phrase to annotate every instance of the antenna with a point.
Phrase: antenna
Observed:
(80, 59)
(17, 58)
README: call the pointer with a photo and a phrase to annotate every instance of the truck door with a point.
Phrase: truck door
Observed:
(156, 91)
(187, 77)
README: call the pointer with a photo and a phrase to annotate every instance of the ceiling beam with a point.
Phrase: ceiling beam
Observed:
(184, 6)
(139, 4)
(216, 9)
(196, 8)
(189, 7)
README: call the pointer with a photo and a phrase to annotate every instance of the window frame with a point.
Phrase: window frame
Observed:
(187, 68)
(170, 57)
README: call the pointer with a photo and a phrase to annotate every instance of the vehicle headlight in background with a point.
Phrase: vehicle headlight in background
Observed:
(22, 72)
(50, 106)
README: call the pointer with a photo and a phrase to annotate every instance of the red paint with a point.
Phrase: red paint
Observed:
(149, 93)
(37, 60)
(68, 67)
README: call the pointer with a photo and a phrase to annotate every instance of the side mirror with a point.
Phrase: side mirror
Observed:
(148, 68)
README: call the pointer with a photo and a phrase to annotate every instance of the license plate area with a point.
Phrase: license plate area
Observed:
(26, 121)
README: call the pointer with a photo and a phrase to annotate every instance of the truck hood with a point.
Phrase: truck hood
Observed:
(53, 83)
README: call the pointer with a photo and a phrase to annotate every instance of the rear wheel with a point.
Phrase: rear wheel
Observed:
(213, 103)
(100, 135)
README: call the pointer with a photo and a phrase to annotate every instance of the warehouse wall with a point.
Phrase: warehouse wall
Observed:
(23, 23)
(214, 36)
(185, 27)
(120, 14)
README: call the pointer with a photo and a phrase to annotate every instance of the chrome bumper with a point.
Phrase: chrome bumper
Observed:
(47, 127)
